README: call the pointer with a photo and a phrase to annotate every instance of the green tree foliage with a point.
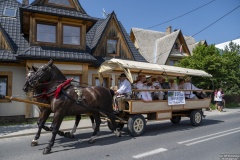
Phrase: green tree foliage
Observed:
(222, 65)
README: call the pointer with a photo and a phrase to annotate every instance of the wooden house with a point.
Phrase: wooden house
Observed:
(32, 34)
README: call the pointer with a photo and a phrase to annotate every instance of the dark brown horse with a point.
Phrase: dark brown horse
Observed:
(45, 112)
(71, 100)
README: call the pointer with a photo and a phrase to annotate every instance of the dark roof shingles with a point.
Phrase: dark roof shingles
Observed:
(58, 11)
(56, 53)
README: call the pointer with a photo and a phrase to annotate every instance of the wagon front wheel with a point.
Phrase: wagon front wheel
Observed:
(196, 117)
(136, 125)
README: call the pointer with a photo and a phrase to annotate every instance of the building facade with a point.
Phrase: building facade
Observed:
(32, 34)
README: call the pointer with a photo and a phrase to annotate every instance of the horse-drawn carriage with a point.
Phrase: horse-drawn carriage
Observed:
(53, 91)
(136, 112)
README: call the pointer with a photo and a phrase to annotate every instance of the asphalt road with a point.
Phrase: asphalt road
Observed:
(218, 135)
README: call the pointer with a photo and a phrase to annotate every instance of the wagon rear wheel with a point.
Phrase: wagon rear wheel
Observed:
(136, 125)
(176, 120)
(196, 117)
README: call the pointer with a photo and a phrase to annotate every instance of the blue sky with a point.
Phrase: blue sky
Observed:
(147, 13)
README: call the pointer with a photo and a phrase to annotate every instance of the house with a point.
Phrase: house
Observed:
(223, 45)
(32, 34)
(163, 47)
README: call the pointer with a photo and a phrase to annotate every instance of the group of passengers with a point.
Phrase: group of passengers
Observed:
(143, 84)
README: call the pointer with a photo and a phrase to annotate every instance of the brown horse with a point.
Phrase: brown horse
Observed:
(45, 111)
(71, 100)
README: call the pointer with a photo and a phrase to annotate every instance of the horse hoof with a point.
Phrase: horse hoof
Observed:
(34, 143)
(91, 141)
(46, 151)
(68, 135)
(118, 133)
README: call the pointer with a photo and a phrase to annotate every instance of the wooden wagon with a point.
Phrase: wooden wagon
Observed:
(136, 112)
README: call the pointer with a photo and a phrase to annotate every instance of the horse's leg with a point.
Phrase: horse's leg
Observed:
(57, 120)
(93, 124)
(71, 134)
(112, 121)
(97, 119)
(41, 121)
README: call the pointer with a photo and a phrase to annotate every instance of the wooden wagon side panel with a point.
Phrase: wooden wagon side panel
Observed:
(199, 103)
(148, 107)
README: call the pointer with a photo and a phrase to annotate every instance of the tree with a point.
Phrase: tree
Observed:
(223, 67)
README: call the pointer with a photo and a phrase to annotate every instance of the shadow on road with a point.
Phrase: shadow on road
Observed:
(167, 127)
(107, 137)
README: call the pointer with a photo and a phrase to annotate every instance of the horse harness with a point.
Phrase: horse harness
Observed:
(56, 91)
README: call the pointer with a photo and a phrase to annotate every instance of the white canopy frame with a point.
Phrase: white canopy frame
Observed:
(147, 68)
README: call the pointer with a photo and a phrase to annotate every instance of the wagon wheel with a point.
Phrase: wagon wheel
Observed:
(176, 120)
(136, 125)
(196, 117)
(119, 126)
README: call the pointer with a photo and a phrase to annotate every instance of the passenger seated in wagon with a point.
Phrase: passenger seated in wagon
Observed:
(158, 95)
(143, 84)
(189, 86)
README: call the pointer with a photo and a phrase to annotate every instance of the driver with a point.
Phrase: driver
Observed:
(124, 91)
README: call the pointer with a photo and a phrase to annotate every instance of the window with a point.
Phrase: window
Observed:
(71, 35)
(46, 33)
(5, 84)
(176, 45)
(173, 62)
(76, 79)
(10, 12)
(105, 82)
(112, 46)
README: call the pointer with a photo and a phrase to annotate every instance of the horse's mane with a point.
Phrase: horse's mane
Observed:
(56, 74)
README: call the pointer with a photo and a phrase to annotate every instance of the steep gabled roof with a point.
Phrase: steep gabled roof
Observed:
(164, 47)
(95, 34)
(146, 39)
(74, 4)
(41, 6)
(137, 56)
(99, 31)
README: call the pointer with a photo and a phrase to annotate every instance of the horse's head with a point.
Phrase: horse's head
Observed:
(37, 76)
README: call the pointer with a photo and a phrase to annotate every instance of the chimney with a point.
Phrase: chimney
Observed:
(169, 30)
(25, 3)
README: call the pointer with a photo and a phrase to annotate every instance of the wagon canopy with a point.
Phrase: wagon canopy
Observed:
(146, 68)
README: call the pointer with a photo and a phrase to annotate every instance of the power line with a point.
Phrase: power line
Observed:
(181, 15)
(216, 21)
(200, 30)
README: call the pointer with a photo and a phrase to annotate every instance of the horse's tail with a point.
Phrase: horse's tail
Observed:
(112, 92)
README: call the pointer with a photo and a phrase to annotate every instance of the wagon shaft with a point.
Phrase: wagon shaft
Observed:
(24, 100)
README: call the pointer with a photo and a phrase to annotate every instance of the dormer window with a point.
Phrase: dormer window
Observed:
(46, 33)
(71, 35)
(176, 45)
(112, 46)
(10, 12)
